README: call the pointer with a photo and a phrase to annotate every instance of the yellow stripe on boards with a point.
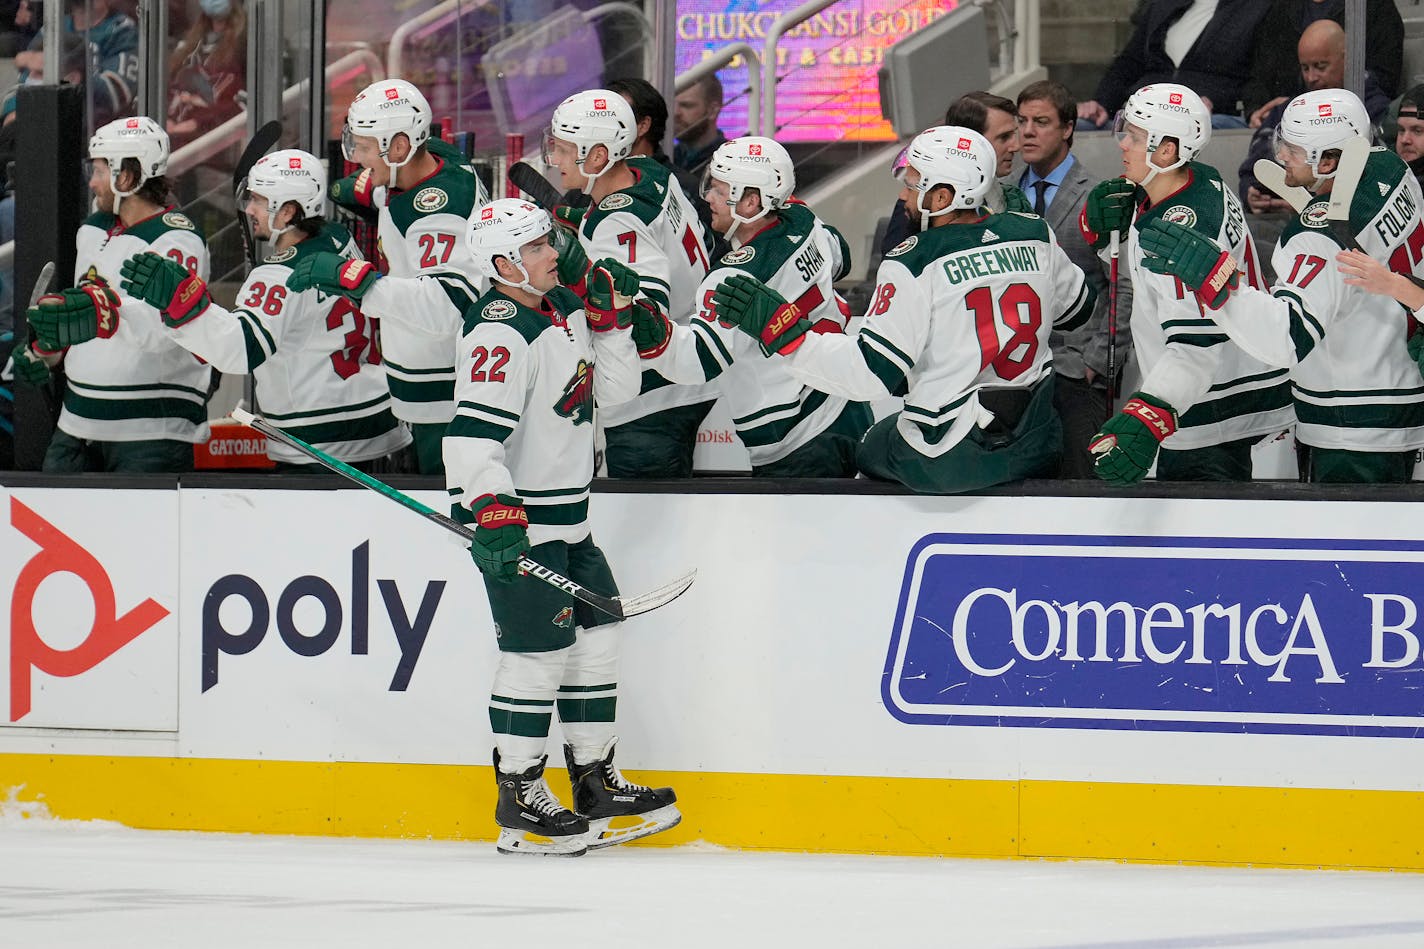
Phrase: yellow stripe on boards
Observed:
(910, 816)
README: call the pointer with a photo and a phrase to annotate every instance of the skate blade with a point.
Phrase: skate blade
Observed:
(512, 841)
(609, 831)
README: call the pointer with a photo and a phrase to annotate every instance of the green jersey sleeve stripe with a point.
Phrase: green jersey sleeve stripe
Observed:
(891, 376)
(484, 409)
(1198, 339)
(891, 351)
(714, 343)
(463, 427)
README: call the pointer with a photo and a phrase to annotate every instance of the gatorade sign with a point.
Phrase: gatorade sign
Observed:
(89, 637)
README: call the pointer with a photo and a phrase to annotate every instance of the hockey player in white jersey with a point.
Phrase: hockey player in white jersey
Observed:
(1203, 402)
(316, 365)
(1359, 395)
(139, 402)
(958, 325)
(641, 218)
(421, 227)
(789, 428)
(518, 461)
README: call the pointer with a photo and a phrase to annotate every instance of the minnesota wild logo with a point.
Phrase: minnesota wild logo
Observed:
(576, 401)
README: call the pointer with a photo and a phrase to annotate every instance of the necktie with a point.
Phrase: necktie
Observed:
(1039, 205)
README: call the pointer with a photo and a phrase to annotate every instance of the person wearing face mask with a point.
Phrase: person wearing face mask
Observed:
(789, 429)
(207, 73)
(107, 42)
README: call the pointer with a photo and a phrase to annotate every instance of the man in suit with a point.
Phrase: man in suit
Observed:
(1056, 185)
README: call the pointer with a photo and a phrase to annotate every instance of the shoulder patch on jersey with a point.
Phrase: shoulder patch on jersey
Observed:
(499, 310)
(178, 219)
(430, 199)
(615, 201)
(1180, 214)
(1317, 215)
(739, 256)
(280, 256)
(904, 247)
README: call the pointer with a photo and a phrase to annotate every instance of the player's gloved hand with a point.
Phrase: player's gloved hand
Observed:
(573, 262)
(333, 273)
(501, 535)
(1415, 345)
(1016, 200)
(760, 311)
(1177, 250)
(166, 285)
(74, 316)
(569, 216)
(1125, 447)
(1108, 209)
(29, 367)
(652, 330)
(358, 190)
(609, 299)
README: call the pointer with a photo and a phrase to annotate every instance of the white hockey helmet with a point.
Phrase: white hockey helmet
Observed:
(594, 117)
(500, 229)
(382, 111)
(139, 138)
(955, 156)
(1320, 121)
(288, 175)
(1166, 110)
(751, 162)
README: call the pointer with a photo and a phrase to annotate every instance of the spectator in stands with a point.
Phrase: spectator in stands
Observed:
(112, 60)
(1409, 140)
(993, 117)
(1274, 76)
(19, 22)
(207, 73)
(694, 122)
(1321, 52)
(1058, 186)
(1206, 45)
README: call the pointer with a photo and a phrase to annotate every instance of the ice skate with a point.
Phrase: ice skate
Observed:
(616, 809)
(531, 819)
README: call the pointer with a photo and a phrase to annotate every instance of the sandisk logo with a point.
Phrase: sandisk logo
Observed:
(753, 149)
(1325, 109)
(600, 103)
(294, 163)
(1175, 98)
(108, 633)
(392, 93)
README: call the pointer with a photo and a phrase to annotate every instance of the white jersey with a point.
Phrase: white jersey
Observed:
(1220, 393)
(524, 425)
(959, 310)
(774, 412)
(422, 230)
(139, 384)
(654, 229)
(1355, 386)
(316, 365)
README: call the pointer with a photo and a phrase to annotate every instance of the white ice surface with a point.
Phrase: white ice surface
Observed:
(95, 885)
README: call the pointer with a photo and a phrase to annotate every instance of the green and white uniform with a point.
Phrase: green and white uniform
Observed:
(316, 366)
(775, 413)
(1355, 386)
(1221, 393)
(653, 228)
(959, 326)
(138, 385)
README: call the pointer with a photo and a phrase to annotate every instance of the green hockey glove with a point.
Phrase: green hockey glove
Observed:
(609, 297)
(1196, 260)
(1016, 200)
(1108, 210)
(74, 316)
(166, 285)
(356, 190)
(652, 330)
(573, 262)
(29, 367)
(1415, 345)
(501, 535)
(572, 217)
(1126, 446)
(333, 273)
(757, 309)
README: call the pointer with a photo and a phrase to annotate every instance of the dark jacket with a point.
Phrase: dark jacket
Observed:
(1276, 68)
(1216, 67)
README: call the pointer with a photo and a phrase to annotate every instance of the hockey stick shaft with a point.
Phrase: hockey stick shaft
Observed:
(526, 178)
(262, 140)
(1114, 252)
(606, 604)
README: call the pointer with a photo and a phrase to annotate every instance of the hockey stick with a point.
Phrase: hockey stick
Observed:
(526, 178)
(50, 390)
(1273, 176)
(620, 607)
(1349, 171)
(1114, 251)
(262, 140)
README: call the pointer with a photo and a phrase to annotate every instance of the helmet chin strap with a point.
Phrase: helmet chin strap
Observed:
(737, 219)
(518, 261)
(925, 213)
(119, 195)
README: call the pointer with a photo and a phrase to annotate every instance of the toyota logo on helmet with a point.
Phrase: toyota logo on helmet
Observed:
(1326, 110)
(486, 214)
(600, 104)
(392, 93)
(1175, 98)
(753, 149)
(294, 163)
